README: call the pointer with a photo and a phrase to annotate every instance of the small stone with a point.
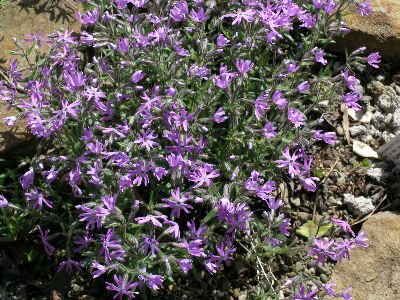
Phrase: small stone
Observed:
(311, 271)
(376, 173)
(220, 294)
(339, 166)
(236, 293)
(76, 288)
(339, 130)
(361, 116)
(359, 206)
(324, 278)
(311, 263)
(396, 118)
(299, 266)
(357, 130)
(295, 201)
(242, 297)
(303, 216)
(321, 269)
(380, 78)
(334, 201)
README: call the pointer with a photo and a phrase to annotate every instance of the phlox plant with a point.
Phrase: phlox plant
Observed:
(159, 142)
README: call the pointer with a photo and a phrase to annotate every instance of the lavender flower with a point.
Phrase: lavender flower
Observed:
(122, 287)
(178, 202)
(321, 251)
(219, 116)
(44, 237)
(373, 59)
(3, 201)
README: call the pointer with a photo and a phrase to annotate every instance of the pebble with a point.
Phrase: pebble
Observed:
(295, 201)
(339, 130)
(339, 166)
(375, 173)
(357, 130)
(396, 118)
(236, 293)
(299, 266)
(242, 297)
(359, 206)
(311, 263)
(324, 278)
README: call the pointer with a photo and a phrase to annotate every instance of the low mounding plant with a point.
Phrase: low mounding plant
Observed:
(157, 145)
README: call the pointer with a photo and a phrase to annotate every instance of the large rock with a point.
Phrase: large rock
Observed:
(379, 31)
(20, 18)
(373, 272)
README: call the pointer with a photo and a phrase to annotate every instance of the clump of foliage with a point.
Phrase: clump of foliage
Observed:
(154, 153)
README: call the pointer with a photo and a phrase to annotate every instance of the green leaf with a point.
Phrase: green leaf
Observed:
(32, 255)
(210, 215)
(310, 229)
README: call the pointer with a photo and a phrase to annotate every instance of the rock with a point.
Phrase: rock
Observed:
(387, 136)
(359, 206)
(295, 201)
(299, 266)
(379, 31)
(387, 103)
(377, 173)
(379, 120)
(361, 116)
(396, 119)
(324, 278)
(357, 130)
(373, 271)
(333, 201)
(339, 130)
(242, 297)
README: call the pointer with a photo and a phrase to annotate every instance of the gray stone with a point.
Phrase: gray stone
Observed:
(387, 136)
(324, 278)
(295, 201)
(339, 130)
(375, 270)
(377, 173)
(299, 266)
(396, 119)
(357, 130)
(359, 206)
(242, 297)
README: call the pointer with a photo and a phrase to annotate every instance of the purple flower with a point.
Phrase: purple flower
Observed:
(137, 76)
(284, 226)
(219, 116)
(154, 281)
(321, 251)
(243, 66)
(109, 241)
(203, 175)
(344, 225)
(296, 117)
(303, 87)
(179, 11)
(174, 230)
(194, 247)
(141, 171)
(373, 59)
(182, 119)
(47, 247)
(345, 295)
(222, 41)
(83, 242)
(360, 239)
(279, 100)
(303, 295)
(269, 130)
(238, 15)
(123, 45)
(319, 56)
(327, 287)
(350, 100)
(122, 287)
(100, 269)
(290, 162)
(89, 17)
(148, 241)
(178, 202)
(152, 219)
(185, 264)
(38, 39)
(198, 16)
(146, 139)
(365, 8)
(90, 216)
(26, 180)
(3, 201)
(327, 137)
(344, 248)
(273, 204)
(39, 197)
(68, 265)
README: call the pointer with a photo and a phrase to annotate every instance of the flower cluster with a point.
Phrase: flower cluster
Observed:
(170, 131)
